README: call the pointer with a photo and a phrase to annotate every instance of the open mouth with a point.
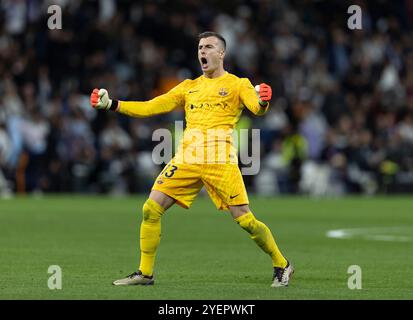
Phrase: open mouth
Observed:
(204, 63)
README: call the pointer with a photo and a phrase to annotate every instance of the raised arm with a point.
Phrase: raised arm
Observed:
(255, 99)
(99, 99)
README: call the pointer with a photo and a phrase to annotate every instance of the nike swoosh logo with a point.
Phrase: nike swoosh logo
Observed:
(192, 91)
(232, 197)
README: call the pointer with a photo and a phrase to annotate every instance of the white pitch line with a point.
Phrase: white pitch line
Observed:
(376, 234)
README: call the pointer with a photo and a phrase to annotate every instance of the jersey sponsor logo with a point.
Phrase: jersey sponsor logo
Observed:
(223, 92)
(209, 106)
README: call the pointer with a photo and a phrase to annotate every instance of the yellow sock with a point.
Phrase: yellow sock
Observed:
(150, 235)
(262, 236)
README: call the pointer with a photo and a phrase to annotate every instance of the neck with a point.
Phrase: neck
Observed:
(214, 74)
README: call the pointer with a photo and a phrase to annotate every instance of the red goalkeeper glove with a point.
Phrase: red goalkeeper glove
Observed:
(264, 93)
(99, 99)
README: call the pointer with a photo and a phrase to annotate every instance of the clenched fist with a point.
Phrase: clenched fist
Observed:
(99, 99)
(264, 92)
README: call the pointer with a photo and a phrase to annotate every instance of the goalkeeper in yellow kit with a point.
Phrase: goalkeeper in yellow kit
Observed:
(213, 101)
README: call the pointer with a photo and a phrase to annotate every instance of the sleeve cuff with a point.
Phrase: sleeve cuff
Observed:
(115, 105)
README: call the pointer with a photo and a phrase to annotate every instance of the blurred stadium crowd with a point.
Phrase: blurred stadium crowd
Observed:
(341, 120)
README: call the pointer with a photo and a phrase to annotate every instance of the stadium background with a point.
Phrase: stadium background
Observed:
(341, 120)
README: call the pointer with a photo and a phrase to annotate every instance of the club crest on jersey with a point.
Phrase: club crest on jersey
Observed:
(223, 92)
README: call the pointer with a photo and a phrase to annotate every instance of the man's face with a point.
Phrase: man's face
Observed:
(210, 54)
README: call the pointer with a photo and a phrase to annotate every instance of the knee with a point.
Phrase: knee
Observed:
(237, 211)
(152, 211)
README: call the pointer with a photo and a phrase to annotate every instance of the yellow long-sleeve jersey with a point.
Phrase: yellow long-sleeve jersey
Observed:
(209, 104)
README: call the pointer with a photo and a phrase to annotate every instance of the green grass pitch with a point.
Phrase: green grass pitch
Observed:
(203, 253)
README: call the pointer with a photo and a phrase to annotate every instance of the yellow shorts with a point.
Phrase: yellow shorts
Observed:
(183, 182)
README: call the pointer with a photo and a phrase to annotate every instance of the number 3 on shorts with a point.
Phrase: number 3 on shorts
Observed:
(169, 170)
